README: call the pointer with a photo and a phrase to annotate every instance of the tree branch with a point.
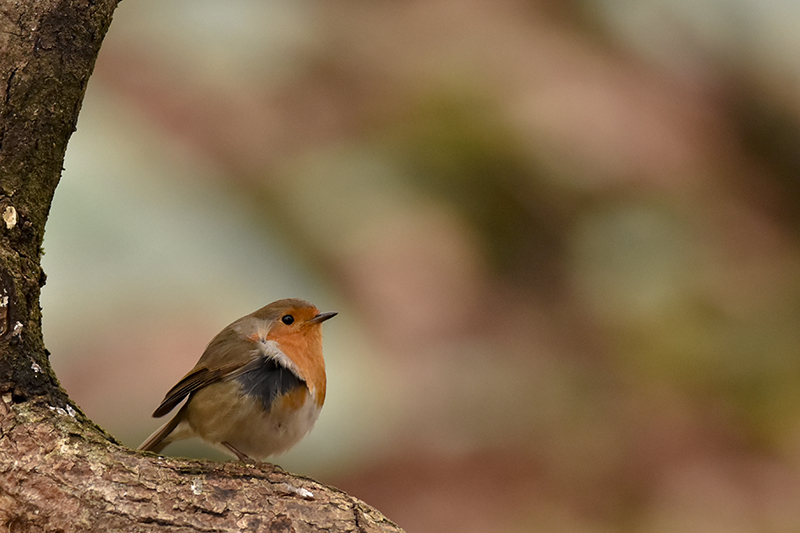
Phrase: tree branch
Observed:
(65, 477)
(59, 471)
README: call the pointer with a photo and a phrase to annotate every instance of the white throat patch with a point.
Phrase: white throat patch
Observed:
(272, 350)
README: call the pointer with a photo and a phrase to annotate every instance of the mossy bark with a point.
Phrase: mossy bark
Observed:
(47, 52)
(58, 471)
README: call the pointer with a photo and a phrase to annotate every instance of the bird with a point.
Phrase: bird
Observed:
(258, 387)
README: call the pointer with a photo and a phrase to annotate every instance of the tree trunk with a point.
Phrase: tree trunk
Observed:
(59, 471)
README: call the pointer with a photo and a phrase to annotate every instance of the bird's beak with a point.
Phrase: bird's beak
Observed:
(322, 317)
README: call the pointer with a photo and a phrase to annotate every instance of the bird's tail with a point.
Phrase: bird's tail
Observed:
(159, 439)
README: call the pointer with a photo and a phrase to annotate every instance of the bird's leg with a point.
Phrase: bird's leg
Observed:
(239, 455)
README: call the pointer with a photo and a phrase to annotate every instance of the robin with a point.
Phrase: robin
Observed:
(257, 389)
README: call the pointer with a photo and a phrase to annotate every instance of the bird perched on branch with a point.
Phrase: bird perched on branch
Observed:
(257, 389)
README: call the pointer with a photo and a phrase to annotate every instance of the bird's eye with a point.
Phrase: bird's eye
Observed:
(287, 319)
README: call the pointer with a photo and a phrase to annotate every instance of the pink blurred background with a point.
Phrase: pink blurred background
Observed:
(563, 239)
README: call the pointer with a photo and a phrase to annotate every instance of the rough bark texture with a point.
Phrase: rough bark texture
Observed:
(58, 471)
(57, 476)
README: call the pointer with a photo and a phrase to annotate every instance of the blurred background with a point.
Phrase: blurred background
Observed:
(563, 238)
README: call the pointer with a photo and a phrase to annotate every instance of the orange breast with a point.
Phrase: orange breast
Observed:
(292, 400)
(304, 348)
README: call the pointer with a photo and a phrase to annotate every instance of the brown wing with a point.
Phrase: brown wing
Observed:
(238, 355)
(193, 381)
